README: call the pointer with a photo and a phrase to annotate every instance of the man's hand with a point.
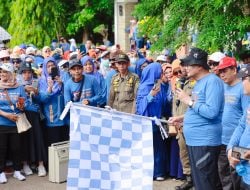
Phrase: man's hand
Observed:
(247, 155)
(176, 121)
(85, 102)
(233, 161)
(182, 96)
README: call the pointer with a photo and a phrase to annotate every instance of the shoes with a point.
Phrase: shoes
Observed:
(159, 178)
(19, 176)
(41, 171)
(27, 170)
(3, 178)
(188, 184)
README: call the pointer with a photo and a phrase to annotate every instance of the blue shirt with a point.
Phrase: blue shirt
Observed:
(14, 93)
(202, 122)
(91, 91)
(235, 103)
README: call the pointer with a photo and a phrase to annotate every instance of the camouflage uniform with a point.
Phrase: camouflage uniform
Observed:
(123, 92)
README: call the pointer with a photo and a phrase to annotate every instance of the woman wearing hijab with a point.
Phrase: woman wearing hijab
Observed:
(10, 91)
(52, 99)
(35, 148)
(89, 69)
(148, 103)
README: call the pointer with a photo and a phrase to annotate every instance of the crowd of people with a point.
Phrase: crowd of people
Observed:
(204, 98)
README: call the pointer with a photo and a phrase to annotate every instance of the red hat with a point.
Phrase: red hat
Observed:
(227, 62)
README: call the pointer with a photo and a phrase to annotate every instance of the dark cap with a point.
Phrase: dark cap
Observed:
(196, 57)
(122, 57)
(74, 62)
(244, 72)
(25, 66)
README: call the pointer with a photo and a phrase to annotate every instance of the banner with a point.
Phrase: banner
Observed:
(109, 150)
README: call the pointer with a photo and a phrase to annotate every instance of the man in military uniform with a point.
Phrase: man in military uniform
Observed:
(179, 108)
(124, 86)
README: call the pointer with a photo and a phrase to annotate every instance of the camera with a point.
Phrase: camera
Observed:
(238, 152)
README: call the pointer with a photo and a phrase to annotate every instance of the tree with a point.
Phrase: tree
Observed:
(217, 24)
(5, 13)
(90, 14)
(35, 22)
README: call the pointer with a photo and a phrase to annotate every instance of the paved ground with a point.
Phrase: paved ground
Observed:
(42, 183)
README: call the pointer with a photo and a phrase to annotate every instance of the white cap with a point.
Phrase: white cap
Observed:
(216, 56)
(62, 62)
(4, 53)
(104, 53)
(7, 67)
(161, 58)
(30, 50)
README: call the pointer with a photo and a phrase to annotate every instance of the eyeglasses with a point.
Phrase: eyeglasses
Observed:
(212, 63)
(177, 72)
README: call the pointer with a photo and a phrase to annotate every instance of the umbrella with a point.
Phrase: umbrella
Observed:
(4, 35)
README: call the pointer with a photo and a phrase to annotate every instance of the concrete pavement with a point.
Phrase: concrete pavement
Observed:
(34, 182)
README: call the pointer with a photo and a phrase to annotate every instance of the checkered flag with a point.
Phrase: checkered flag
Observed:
(109, 150)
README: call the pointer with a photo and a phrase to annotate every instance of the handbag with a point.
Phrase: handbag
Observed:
(22, 122)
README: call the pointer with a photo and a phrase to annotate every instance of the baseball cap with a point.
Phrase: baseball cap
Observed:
(244, 72)
(227, 62)
(122, 57)
(216, 56)
(74, 62)
(161, 58)
(196, 56)
(7, 67)
(26, 66)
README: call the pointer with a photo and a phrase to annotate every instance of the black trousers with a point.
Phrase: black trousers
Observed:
(10, 142)
(228, 176)
(204, 167)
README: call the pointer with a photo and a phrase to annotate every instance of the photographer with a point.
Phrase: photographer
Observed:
(240, 136)
(51, 94)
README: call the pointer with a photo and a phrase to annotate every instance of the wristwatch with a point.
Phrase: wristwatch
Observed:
(191, 103)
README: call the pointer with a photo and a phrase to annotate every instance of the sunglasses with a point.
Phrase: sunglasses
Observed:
(177, 72)
(16, 61)
(215, 64)
(5, 59)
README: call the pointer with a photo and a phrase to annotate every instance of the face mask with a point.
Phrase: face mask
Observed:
(105, 62)
(132, 60)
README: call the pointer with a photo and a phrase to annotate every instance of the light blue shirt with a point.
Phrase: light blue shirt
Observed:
(202, 123)
(235, 103)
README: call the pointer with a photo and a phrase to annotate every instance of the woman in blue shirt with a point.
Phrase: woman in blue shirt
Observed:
(52, 99)
(9, 108)
(149, 101)
(33, 139)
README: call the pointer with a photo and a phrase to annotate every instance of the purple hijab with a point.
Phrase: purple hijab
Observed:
(43, 85)
(98, 76)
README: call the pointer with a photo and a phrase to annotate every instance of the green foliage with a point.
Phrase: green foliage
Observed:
(89, 14)
(5, 13)
(218, 23)
(35, 21)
